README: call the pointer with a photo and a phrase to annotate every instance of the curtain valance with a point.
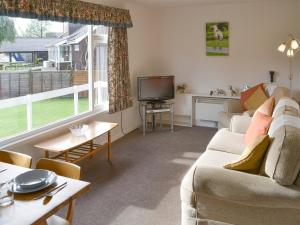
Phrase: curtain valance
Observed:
(67, 11)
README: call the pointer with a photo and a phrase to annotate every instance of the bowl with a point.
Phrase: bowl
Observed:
(78, 129)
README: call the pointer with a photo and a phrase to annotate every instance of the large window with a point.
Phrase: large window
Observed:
(49, 72)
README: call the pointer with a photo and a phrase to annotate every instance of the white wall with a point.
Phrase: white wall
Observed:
(256, 29)
(140, 57)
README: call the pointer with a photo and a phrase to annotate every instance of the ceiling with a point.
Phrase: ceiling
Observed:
(156, 3)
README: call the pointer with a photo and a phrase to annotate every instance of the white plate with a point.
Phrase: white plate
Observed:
(32, 181)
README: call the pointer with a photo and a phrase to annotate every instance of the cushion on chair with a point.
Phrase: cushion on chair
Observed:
(282, 161)
(260, 125)
(251, 159)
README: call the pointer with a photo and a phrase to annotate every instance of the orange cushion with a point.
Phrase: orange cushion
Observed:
(260, 125)
(267, 107)
(256, 99)
(247, 94)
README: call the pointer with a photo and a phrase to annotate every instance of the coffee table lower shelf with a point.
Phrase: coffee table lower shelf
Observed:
(81, 152)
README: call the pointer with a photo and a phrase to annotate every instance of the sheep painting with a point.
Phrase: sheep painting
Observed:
(217, 39)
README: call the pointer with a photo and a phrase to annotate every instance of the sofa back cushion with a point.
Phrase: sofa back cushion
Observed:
(282, 161)
(286, 105)
(280, 92)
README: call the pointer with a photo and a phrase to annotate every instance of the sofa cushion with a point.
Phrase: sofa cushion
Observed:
(246, 94)
(285, 104)
(259, 125)
(225, 118)
(256, 99)
(216, 158)
(251, 159)
(280, 92)
(209, 158)
(282, 161)
(240, 124)
(286, 110)
(227, 141)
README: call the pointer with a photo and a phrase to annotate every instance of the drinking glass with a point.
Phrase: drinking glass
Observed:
(6, 197)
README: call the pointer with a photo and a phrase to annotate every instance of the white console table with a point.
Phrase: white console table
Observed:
(199, 109)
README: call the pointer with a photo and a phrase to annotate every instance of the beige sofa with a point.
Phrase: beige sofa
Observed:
(233, 106)
(213, 195)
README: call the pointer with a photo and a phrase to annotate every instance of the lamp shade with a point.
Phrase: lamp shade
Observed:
(282, 47)
(290, 52)
(294, 44)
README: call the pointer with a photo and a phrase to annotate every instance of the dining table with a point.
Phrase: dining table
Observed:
(26, 209)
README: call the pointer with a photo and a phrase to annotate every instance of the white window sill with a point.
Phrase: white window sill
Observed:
(50, 127)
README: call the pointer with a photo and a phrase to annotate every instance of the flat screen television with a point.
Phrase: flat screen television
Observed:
(155, 88)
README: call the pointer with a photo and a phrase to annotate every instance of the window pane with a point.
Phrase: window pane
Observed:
(83, 102)
(12, 121)
(49, 57)
(100, 67)
(51, 110)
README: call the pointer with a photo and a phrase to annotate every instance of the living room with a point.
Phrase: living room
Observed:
(141, 183)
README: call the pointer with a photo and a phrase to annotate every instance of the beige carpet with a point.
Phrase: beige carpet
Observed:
(141, 187)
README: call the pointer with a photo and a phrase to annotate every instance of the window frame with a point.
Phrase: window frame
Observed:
(93, 108)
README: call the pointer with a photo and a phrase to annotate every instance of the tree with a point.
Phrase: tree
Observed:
(36, 28)
(7, 30)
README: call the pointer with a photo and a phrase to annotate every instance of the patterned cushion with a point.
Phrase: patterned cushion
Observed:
(257, 98)
(246, 94)
(282, 161)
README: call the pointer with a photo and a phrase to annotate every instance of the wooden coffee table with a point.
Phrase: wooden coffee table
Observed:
(70, 148)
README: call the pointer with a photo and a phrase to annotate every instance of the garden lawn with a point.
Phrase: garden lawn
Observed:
(14, 120)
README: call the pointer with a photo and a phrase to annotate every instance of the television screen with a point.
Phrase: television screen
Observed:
(155, 88)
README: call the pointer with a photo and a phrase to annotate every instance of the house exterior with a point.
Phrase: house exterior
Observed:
(26, 50)
(71, 51)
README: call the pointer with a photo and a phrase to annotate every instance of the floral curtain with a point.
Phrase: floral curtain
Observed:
(74, 11)
(118, 70)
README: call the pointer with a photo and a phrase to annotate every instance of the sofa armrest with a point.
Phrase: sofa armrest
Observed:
(240, 123)
(233, 106)
(243, 188)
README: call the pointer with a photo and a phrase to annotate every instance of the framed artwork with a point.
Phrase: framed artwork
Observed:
(217, 39)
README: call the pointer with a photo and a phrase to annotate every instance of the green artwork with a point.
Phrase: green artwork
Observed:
(217, 39)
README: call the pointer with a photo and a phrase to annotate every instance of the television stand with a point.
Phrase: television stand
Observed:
(157, 107)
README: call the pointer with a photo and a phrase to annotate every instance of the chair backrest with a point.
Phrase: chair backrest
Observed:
(15, 158)
(61, 168)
